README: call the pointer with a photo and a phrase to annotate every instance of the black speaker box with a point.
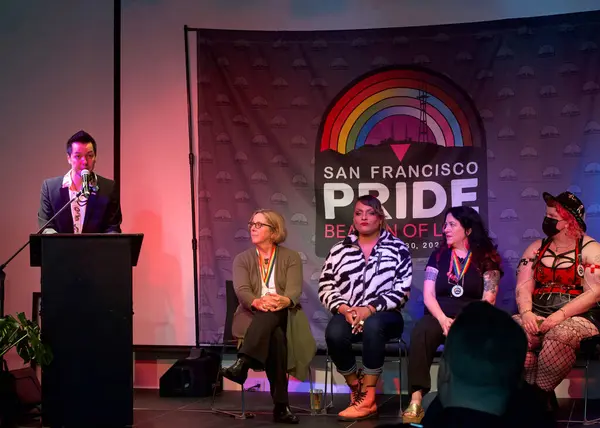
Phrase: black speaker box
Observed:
(194, 376)
(20, 392)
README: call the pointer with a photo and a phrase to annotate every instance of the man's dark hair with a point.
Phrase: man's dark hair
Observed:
(81, 137)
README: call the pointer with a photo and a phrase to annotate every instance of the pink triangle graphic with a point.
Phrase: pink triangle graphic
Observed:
(400, 150)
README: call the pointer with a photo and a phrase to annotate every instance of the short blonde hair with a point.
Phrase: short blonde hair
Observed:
(277, 223)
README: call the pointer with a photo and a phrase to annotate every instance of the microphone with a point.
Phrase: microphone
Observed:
(85, 178)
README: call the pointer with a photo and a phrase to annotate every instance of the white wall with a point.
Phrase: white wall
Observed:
(57, 78)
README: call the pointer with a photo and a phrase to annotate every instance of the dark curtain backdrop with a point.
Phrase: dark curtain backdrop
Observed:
(263, 96)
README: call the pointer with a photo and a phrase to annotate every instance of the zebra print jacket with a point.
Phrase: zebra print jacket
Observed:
(383, 281)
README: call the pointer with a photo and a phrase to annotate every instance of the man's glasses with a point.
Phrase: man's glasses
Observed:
(258, 225)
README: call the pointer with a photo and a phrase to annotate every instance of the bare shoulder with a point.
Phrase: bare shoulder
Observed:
(532, 249)
(591, 250)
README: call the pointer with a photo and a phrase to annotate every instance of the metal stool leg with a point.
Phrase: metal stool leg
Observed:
(400, 372)
(585, 398)
(310, 383)
(585, 420)
(219, 382)
(237, 415)
(329, 366)
(326, 377)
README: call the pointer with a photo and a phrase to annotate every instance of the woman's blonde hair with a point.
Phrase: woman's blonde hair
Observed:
(277, 223)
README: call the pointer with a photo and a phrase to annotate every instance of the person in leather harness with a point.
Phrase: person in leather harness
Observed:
(558, 289)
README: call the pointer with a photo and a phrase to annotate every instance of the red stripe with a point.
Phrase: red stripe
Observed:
(386, 80)
(561, 290)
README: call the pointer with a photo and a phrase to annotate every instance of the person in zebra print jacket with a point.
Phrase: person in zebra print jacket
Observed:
(365, 282)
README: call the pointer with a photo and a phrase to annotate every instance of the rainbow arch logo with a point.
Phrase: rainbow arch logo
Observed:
(447, 111)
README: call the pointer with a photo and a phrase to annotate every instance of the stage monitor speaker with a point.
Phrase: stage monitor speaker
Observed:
(27, 386)
(20, 392)
(192, 376)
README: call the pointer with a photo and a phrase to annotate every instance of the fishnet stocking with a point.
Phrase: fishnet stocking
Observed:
(552, 363)
(531, 359)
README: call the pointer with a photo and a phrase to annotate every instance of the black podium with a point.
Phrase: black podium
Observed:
(86, 319)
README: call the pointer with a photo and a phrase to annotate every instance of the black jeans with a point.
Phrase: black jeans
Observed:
(425, 338)
(266, 344)
(379, 328)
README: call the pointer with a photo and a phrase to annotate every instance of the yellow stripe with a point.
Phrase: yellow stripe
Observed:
(456, 265)
(265, 273)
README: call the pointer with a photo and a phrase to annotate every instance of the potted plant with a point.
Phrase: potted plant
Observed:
(24, 335)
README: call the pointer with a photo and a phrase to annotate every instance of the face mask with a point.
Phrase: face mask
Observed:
(549, 226)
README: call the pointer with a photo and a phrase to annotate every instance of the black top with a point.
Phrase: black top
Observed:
(472, 283)
(459, 417)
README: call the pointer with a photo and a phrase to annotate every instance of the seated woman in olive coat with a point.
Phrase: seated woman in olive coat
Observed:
(268, 283)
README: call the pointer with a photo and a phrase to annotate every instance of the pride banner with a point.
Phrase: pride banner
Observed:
(488, 114)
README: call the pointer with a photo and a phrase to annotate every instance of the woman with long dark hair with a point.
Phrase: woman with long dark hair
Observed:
(465, 268)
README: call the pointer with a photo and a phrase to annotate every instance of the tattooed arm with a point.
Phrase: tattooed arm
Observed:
(591, 290)
(591, 283)
(491, 279)
(525, 282)
(429, 297)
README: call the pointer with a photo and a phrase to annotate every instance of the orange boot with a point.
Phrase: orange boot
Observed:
(355, 386)
(363, 405)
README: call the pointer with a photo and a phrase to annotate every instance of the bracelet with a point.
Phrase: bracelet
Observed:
(370, 310)
(525, 311)
(564, 313)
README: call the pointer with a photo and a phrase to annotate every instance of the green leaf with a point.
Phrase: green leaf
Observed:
(25, 336)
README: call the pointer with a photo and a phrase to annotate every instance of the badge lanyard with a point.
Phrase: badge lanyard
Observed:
(456, 273)
(266, 269)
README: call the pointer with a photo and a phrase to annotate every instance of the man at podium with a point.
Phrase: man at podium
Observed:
(95, 206)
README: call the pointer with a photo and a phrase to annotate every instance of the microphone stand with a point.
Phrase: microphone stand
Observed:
(3, 265)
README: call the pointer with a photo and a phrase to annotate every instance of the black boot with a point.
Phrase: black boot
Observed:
(552, 402)
(238, 371)
(546, 399)
(283, 414)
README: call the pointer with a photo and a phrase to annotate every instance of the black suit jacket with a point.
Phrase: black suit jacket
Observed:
(103, 211)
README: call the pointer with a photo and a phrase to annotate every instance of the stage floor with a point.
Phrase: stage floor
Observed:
(153, 411)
